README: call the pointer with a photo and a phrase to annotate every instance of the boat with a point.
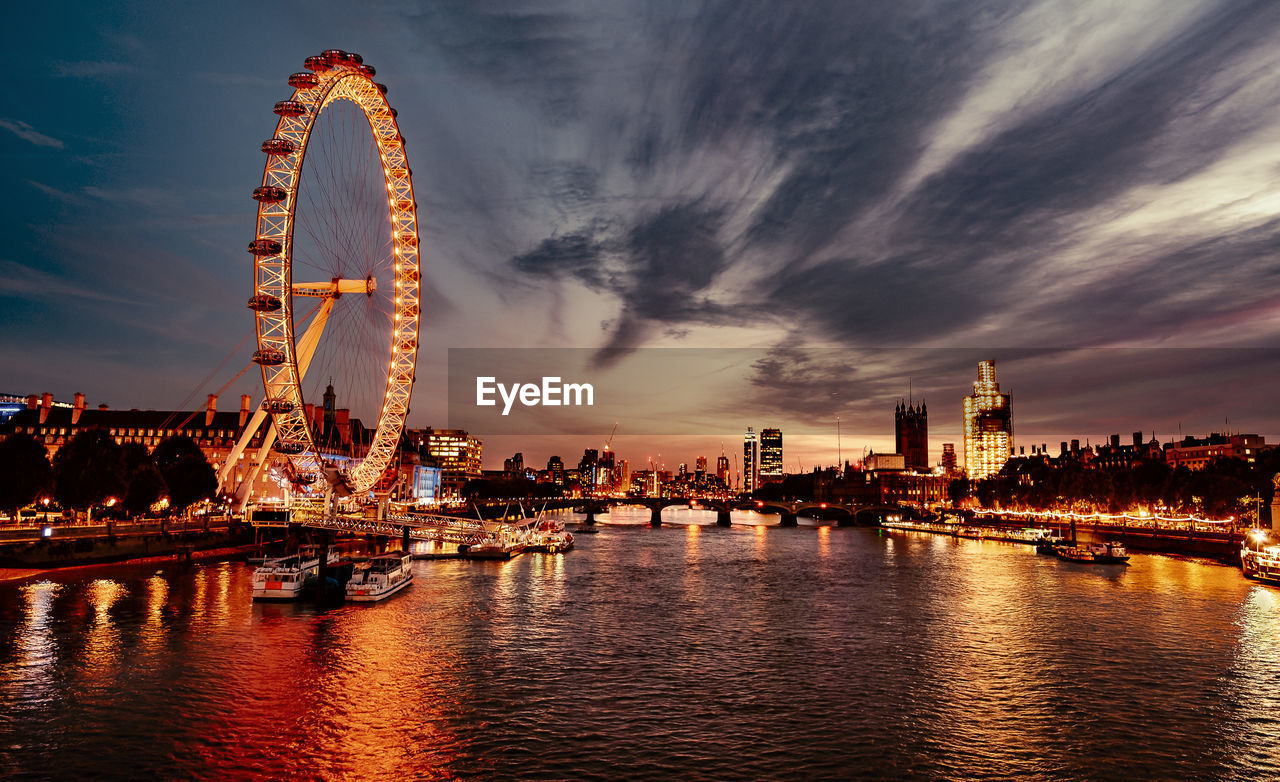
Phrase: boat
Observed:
(550, 537)
(1047, 545)
(491, 549)
(380, 576)
(285, 578)
(1100, 553)
(1260, 562)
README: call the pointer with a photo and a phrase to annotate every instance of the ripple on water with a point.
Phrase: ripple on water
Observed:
(710, 653)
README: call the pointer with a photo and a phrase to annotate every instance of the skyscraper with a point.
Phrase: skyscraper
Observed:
(750, 461)
(911, 434)
(770, 455)
(988, 425)
(722, 470)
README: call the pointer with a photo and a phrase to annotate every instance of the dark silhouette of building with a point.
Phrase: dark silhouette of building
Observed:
(911, 434)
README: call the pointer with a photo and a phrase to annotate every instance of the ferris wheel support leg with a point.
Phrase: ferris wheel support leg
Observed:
(255, 467)
(234, 457)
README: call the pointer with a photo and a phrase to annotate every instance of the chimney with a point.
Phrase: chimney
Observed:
(46, 404)
(33, 402)
(77, 409)
(210, 410)
(244, 409)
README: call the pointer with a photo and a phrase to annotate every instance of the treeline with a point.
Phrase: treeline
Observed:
(92, 468)
(514, 488)
(1225, 487)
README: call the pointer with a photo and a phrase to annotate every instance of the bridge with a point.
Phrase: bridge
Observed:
(415, 526)
(847, 514)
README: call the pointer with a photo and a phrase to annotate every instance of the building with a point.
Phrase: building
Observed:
(622, 476)
(988, 425)
(949, 457)
(454, 451)
(555, 468)
(587, 468)
(911, 434)
(750, 461)
(1195, 453)
(722, 471)
(770, 455)
(884, 462)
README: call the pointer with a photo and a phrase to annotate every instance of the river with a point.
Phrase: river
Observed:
(689, 651)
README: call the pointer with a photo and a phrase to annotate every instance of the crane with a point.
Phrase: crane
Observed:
(609, 442)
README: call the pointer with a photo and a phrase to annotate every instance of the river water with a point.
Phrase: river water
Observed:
(689, 651)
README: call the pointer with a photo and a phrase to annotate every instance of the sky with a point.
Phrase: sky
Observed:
(863, 199)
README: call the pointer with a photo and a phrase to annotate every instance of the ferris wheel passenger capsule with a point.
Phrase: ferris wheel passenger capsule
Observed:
(289, 447)
(278, 404)
(279, 146)
(268, 357)
(262, 247)
(316, 62)
(269, 195)
(290, 108)
(265, 302)
(333, 56)
(303, 80)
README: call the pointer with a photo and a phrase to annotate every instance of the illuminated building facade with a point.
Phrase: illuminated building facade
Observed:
(722, 470)
(750, 461)
(911, 434)
(770, 455)
(988, 425)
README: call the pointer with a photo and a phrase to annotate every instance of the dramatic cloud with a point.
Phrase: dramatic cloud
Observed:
(1039, 182)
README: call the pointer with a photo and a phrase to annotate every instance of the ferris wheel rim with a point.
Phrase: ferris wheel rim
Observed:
(333, 75)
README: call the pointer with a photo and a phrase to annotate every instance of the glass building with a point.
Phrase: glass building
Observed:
(988, 425)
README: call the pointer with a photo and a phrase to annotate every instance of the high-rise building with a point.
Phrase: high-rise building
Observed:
(722, 470)
(604, 470)
(700, 468)
(750, 461)
(949, 457)
(555, 467)
(587, 468)
(770, 455)
(988, 425)
(911, 434)
(622, 475)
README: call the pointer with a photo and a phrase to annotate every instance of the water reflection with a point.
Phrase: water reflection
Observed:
(751, 652)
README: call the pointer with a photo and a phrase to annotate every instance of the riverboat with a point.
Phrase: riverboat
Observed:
(550, 537)
(1260, 562)
(379, 577)
(285, 578)
(1048, 545)
(492, 549)
(1099, 553)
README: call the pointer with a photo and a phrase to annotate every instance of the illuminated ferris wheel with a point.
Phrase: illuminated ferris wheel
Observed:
(348, 228)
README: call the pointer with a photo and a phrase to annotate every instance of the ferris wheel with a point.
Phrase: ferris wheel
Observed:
(336, 274)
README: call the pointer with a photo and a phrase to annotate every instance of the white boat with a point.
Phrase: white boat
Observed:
(380, 577)
(1260, 561)
(284, 578)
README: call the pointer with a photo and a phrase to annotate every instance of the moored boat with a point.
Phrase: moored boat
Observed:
(492, 549)
(1260, 562)
(1099, 553)
(379, 577)
(285, 578)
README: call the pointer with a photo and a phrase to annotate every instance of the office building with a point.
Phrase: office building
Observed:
(988, 425)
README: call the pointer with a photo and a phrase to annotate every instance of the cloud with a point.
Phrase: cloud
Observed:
(27, 133)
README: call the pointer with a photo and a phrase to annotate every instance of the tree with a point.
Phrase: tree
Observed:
(26, 472)
(143, 479)
(186, 472)
(88, 470)
(957, 490)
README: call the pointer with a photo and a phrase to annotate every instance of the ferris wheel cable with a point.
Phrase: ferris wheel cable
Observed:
(207, 378)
